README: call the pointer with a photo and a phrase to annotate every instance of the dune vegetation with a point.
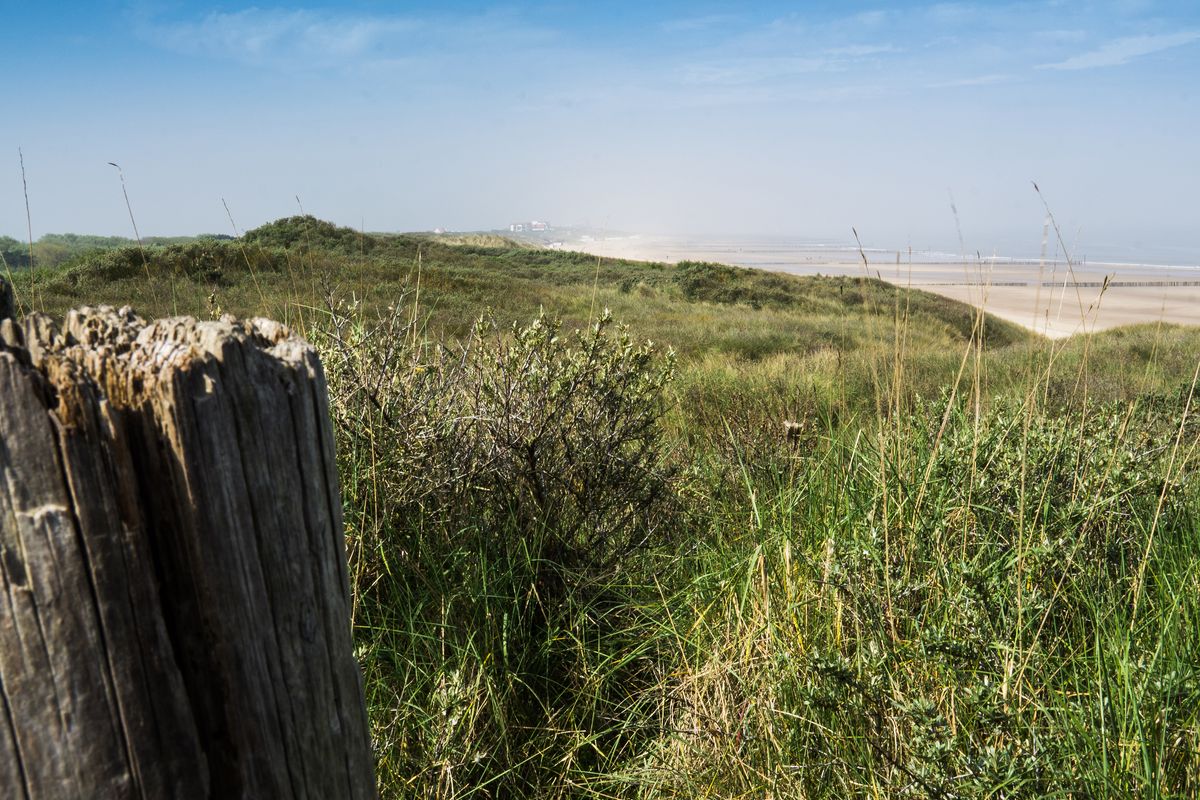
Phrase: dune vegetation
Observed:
(589, 560)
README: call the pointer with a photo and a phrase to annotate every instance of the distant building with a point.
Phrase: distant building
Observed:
(439, 231)
(535, 225)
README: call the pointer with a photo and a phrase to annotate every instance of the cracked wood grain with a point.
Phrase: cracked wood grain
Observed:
(174, 602)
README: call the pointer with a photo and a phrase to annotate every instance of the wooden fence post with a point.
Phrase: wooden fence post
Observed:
(174, 600)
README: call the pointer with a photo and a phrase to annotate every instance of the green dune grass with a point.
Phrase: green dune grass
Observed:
(590, 566)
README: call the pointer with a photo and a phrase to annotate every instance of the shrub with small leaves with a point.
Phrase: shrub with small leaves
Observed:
(498, 493)
(571, 430)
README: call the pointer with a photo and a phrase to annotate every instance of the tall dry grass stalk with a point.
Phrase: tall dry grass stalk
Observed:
(138, 237)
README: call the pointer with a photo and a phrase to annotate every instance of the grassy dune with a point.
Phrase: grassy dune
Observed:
(588, 566)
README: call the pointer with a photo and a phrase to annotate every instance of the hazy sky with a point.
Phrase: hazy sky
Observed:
(790, 118)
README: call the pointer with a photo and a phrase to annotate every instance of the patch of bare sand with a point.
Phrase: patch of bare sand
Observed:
(1048, 302)
(1057, 313)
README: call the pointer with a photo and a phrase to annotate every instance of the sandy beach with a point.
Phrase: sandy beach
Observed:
(1046, 296)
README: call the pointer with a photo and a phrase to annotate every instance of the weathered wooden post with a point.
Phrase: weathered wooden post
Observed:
(174, 601)
(7, 309)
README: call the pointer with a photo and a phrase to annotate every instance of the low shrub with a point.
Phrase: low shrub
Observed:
(499, 495)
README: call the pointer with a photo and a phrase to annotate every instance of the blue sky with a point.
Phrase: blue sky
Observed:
(790, 118)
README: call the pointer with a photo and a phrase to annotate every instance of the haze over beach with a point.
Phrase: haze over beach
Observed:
(1050, 293)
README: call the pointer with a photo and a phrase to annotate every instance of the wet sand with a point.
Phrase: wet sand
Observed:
(1045, 296)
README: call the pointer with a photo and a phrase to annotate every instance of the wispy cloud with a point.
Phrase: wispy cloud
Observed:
(307, 37)
(255, 35)
(700, 23)
(721, 96)
(862, 50)
(1122, 51)
(732, 72)
(869, 18)
(979, 80)
(951, 12)
(1060, 36)
(744, 70)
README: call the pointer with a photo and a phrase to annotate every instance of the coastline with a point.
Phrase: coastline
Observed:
(1051, 297)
